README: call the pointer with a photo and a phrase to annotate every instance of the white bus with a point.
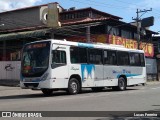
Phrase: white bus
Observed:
(59, 64)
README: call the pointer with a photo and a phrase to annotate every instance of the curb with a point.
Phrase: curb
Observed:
(11, 83)
(152, 82)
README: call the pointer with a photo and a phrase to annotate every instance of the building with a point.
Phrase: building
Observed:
(21, 26)
(156, 43)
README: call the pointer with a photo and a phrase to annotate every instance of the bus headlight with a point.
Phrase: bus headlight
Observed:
(44, 77)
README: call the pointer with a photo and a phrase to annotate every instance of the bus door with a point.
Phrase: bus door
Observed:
(59, 66)
(79, 65)
(95, 60)
(110, 65)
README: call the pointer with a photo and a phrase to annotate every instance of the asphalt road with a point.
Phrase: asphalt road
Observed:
(137, 98)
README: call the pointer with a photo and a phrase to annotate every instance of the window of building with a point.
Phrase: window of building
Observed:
(78, 55)
(69, 16)
(95, 56)
(58, 56)
(135, 36)
(123, 58)
(134, 59)
(126, 34)
(110, 57)
(113, 30)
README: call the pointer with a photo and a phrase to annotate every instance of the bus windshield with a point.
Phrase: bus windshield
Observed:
(35, 59)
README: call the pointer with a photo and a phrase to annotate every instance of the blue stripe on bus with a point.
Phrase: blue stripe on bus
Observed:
(128, 75)
(85, 45)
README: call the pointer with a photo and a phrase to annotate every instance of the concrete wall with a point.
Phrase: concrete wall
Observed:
(151, 66)
(10, 70)
(151, 69)
(20, 19)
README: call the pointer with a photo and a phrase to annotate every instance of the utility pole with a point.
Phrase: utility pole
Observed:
(138, 20)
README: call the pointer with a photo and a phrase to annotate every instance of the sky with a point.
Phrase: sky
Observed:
(125, 9)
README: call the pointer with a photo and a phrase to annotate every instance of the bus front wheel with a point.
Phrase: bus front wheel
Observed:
(47, 91)
(73, 86)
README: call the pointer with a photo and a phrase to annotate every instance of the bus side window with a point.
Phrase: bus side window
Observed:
(123, 58)
(95, 56)
(74, 54)
(78, 55)
(106, 58)
(110, 57)
(58, 56)
(142, 60)
(134, 59)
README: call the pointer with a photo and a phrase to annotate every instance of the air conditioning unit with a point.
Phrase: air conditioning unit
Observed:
(43, 14)
(49, 15)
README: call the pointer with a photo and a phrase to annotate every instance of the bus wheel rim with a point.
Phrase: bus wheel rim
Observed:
(121, 84)
(74, 87)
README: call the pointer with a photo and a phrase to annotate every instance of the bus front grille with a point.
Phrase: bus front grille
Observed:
(31, 84)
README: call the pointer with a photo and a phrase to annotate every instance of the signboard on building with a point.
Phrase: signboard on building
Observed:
(111, 39)
(130, 43)
(146, 22)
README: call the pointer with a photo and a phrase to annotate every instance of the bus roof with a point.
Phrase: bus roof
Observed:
(92, 45)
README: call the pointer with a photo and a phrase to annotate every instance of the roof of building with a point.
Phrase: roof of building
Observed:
(86, 20)
(107, 17)
(91, 9)
(28, 8)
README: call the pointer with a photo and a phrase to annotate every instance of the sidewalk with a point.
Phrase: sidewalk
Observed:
(9, 83)
(152, 82)
(2, 88)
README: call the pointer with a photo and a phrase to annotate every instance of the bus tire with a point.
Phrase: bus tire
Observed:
(97, 89)
(73, 86)
(144, 84)
(47, 91)
(121, 84)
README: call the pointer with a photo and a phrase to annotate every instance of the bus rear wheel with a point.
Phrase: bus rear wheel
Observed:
(47, 91)
(121, 84)
(73, 86)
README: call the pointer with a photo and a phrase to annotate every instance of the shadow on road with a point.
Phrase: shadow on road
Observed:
(155, 105)
(57, 93)
(38, 95)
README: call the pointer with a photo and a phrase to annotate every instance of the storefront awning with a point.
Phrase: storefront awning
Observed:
(20, 35)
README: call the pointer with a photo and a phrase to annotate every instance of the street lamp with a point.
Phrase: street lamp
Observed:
(1, 25)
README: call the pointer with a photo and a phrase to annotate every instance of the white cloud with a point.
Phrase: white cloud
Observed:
(6, 5)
